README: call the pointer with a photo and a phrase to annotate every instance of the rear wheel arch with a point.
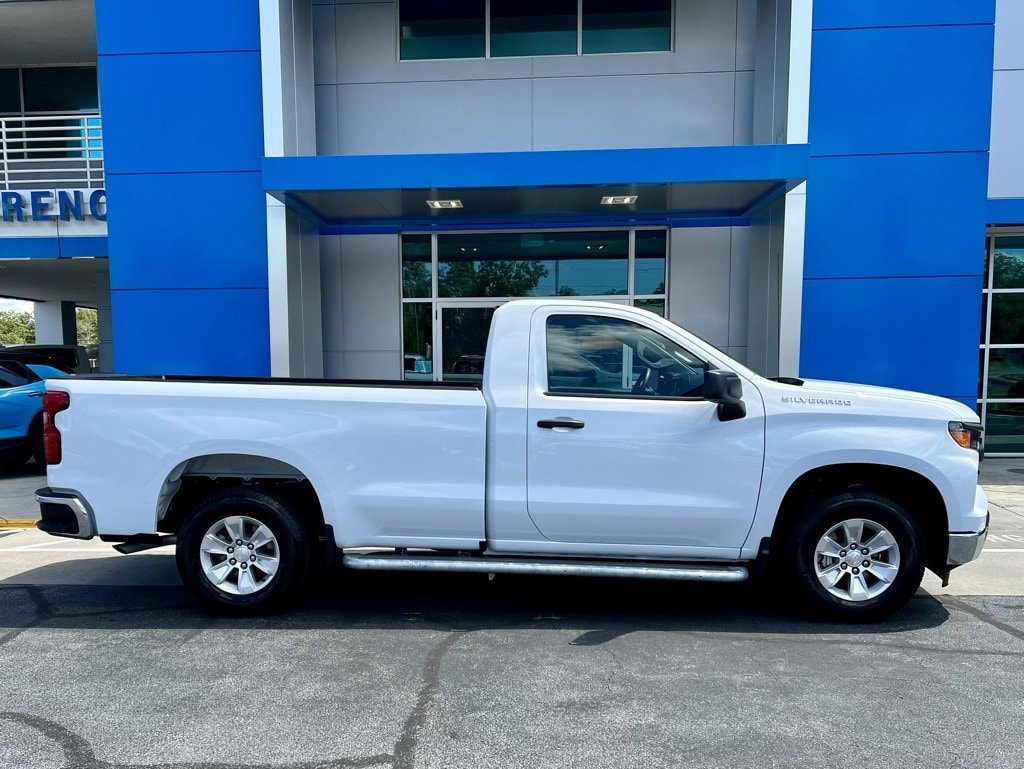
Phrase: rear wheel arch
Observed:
(195, 479)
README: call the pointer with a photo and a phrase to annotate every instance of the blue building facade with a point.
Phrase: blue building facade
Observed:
(298, 187)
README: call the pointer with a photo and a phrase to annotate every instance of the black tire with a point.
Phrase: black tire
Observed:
(294, 549)
(820, 517)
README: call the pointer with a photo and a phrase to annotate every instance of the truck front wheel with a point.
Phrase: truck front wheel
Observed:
(243, 551)
(855, 556)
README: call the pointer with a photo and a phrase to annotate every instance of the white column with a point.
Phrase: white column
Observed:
(293, 262)
(792, 281)
(55, 323)
(797, 117)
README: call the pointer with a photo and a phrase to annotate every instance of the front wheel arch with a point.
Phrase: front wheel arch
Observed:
(911, 490)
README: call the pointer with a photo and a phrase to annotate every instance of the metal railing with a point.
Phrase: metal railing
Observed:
(49, 151)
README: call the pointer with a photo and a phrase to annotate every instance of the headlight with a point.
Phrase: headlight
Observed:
(970, 435)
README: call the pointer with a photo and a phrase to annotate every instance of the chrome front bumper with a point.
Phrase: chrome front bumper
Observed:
(964, 548)
(64, 514)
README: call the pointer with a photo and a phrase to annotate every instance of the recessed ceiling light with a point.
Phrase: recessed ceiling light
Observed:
(444, 203)
(619, 200)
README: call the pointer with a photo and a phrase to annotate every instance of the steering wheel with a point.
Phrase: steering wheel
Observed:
(647, 354)
(646, 383)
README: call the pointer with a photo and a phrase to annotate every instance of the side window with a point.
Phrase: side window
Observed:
(14, 374)
(595, 355)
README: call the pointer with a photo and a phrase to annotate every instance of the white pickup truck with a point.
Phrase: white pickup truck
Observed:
(603, 441)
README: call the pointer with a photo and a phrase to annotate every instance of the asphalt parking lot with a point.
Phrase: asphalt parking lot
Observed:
(107, 662)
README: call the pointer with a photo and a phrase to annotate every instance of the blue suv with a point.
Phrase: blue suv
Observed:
(22, 382)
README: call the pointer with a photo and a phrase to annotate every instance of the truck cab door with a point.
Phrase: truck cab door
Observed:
(623, 451)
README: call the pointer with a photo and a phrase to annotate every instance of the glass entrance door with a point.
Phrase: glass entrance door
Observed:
(459, 353)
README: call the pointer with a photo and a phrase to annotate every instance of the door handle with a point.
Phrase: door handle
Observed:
(564, 422)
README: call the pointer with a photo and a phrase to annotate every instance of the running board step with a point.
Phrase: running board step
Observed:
(492, 565)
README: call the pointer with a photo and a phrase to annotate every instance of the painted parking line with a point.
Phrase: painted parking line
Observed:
(56, 547)
(47, 546)
(60, 550)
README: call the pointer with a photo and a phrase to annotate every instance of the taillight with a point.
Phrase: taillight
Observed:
(54, 401)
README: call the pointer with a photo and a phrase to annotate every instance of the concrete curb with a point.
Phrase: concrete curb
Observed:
(17, 523)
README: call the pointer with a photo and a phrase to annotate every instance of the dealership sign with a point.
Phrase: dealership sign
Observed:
(50, 205)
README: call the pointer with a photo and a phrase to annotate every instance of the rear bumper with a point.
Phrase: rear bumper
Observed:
(65, 514)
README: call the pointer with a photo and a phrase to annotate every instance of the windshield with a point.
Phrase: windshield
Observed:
(735, 365)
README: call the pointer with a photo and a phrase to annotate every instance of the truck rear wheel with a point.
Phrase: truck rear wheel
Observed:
(243, 551)
(855, 556)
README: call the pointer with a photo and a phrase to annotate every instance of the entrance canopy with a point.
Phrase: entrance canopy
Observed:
(81, 280)
(704, 184)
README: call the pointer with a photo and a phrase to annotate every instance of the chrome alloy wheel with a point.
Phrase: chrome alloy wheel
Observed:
(239, 555)
(857, 560)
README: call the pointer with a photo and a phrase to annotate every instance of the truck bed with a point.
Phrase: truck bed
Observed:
(386, 459)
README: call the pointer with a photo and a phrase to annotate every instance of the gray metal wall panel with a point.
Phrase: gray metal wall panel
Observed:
(739, 289)
(305, 323)
(468, 116)
(651, 111)
(737, 354)
(746, 33)
(305, 101)
(330, 296)
(743, 119)
(371, 319)
(325, 61)
(765, 272)
(766, 65)
(705, 35)
(485, 100)
(326, 119)
(699, 281)
(311, 308)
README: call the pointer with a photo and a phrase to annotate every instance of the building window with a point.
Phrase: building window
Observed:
(35, 90)
(10, 92)
(47, 114)
(533, 28)
(60, 89)
(454, 29)
(502, 28)
(507, 265)
(611, 26)
(452, 283)
(1001, 382)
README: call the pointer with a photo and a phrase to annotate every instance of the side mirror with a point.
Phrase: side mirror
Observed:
(726, 389)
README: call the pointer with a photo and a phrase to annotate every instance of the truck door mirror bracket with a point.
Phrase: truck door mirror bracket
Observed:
(726, 389)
